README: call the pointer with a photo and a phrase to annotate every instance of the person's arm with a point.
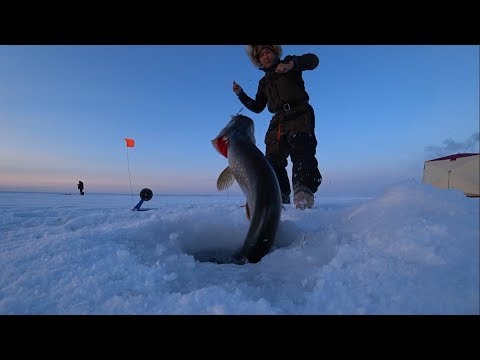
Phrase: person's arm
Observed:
(257, 105)
(303, 62)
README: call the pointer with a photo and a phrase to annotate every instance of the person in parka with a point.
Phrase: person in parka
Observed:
(291, 130)
(80, 187)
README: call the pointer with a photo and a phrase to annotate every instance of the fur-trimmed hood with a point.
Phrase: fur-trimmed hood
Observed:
(253, 50)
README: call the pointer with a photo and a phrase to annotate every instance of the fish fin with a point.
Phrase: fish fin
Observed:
(225, 179)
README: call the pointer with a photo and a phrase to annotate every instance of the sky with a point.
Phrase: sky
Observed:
(381, 111)
(413, 250)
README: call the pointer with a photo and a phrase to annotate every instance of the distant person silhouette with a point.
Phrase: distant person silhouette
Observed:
(80, 187)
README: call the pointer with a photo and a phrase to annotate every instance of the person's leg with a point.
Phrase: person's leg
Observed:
(304, 164)
(276, 152)
(302, 142)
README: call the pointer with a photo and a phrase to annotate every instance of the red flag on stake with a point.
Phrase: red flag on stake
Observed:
(130, 142)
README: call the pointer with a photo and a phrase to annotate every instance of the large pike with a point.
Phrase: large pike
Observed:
(255, 176)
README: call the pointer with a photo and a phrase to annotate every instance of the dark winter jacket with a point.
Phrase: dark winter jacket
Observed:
(275, 90)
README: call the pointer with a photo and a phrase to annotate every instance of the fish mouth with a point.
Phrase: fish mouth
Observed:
(220, 143)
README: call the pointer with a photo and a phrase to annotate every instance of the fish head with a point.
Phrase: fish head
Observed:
(239, 125)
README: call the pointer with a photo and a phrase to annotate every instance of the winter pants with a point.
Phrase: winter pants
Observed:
(293, 134)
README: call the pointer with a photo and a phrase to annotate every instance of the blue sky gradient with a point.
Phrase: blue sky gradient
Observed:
(381, 111)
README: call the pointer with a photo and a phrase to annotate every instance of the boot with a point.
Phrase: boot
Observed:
(303, 198)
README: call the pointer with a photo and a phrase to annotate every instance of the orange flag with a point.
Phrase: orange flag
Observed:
(130, 142)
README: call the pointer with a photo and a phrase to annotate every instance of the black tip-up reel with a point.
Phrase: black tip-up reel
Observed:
(145, 195)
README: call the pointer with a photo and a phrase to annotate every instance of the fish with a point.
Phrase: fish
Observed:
(249, 167)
